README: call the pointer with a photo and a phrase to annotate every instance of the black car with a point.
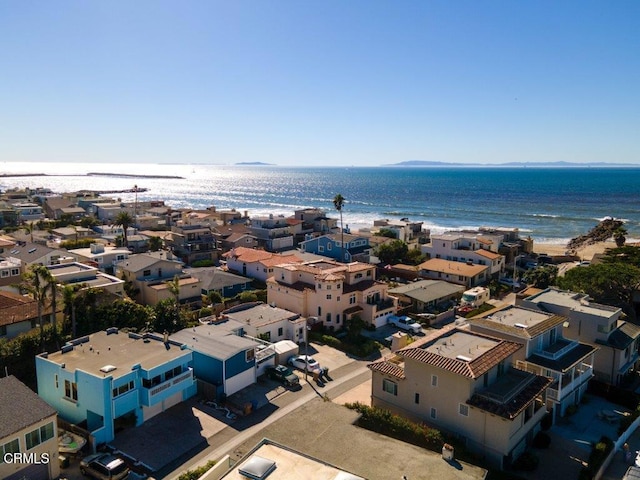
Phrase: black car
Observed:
(104, 466)
(283, 375)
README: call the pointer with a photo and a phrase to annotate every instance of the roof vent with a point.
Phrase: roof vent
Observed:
(521, 325)
(463, 358)
(108, 368)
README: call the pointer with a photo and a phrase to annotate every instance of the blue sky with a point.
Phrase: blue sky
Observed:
(328, 82)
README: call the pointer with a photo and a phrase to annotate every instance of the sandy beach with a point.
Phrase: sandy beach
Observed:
(585, 253)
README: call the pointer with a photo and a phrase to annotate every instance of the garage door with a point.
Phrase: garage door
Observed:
(148, 412)
(174, 399)
(32, 472)
(244, 379)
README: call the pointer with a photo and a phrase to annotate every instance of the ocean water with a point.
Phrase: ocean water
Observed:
(550, 204)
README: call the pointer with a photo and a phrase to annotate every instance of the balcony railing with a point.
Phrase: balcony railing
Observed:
(184, 377)
(555, 353)
(583, 373)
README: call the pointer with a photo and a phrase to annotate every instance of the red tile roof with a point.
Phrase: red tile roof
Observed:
(387, 368)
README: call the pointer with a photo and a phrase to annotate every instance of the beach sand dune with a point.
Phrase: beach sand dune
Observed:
(585, 253)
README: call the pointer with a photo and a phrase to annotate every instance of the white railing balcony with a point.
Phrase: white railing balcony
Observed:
(168, 387)
(584, 373)
(554, 353)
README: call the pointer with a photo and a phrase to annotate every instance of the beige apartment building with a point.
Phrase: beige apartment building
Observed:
(462, 382)
(331, 291)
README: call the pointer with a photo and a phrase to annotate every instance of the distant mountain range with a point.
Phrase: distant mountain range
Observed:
(429, 163)
(254, 163)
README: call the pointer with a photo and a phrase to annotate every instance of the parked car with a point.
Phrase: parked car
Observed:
(405, 323)
(531, 265)
(283, 375)
(584, 263)
(298, 361)
(510, 282)
(104, 466)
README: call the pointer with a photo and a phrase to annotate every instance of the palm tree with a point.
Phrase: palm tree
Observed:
(125, 221)
(69, 297)
(619, 236)
(174, 289)
(52, 283)
(29, 228)
(338, 203)
(37, 284)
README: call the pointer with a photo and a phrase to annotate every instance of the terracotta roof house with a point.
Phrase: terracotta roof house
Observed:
(257, 264)
(461, 382)
(19, 314)
(331, 291)
(479, 249)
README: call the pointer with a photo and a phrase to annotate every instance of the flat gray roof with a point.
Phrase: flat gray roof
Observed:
(462, 345)
(262, 314)
(576, 301)
(117, 349)
(213, 340)
(519, 317)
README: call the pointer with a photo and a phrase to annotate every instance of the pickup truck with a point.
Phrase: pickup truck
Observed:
(405, 323)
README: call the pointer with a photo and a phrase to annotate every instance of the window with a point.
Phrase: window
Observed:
(329, 297)
(463, 409)
(321, 249)
(434, 380)
(328, 246)
(319, 311)
(15, 271)
(71, 390)
(416, 398)
(5, 273)
(146, 273)
(328, 287)
(280, 331)
(10, 447)
(434, 413)
(250, 355)
(390, 387)
(352, 299)
(56, 380)
(39, 435)
(328, 317)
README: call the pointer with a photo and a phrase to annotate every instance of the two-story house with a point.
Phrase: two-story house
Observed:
(403, 229)
(87, 276)
(462, 382)
(467, 248)
(149, 274)
(257, 264)
(111, 379)
(330, 245)
(105, 257)
(331, 291)
(315, 221)
(273, 233)
(215, 279)
(269, 323)
(596, 324)
(222, 357)
(193, 243)
(546, 352)
(28, 434)
(28, 212)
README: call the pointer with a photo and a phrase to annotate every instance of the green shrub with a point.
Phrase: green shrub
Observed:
(202, 263)
(196, 473)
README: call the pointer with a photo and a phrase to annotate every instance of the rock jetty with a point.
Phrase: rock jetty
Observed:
(603, 231)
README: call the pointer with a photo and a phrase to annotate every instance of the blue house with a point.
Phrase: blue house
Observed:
(109, 380)
(222, 357)
(331, 246)
(213, 279)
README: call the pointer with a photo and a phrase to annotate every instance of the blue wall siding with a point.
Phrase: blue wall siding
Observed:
(238, 364)
(207, 368)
